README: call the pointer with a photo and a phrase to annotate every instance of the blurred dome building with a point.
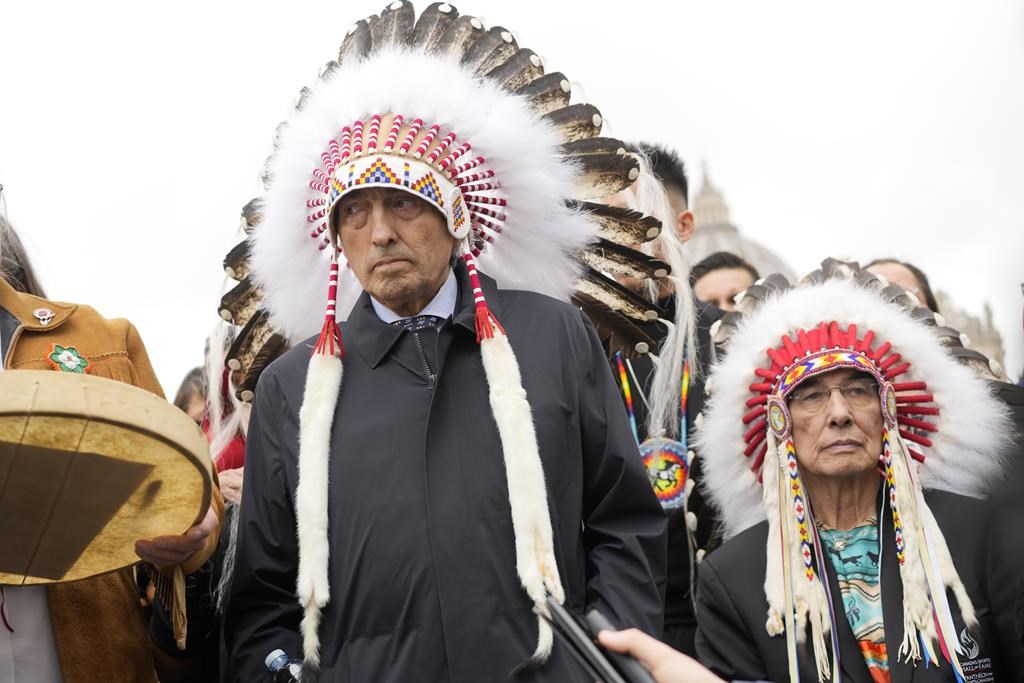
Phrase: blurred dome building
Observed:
(714, 232)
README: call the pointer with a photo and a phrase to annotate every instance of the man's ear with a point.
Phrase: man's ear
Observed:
(332, 227)
(684, 224)
(455, 252)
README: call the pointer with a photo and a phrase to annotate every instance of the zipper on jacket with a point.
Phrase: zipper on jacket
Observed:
(10, 346)
(423, 357)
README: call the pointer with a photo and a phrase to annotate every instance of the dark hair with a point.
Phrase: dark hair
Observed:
(194, 384)
(922, 279)
(667, 166)
(719, 261)
(15, 267)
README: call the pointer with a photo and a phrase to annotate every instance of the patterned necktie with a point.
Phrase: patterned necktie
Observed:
(419, 322)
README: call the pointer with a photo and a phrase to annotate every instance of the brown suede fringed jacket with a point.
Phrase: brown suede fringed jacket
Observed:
(97, 623)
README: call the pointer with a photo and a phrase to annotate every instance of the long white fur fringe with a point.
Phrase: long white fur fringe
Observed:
(316, 417)
(773, 586)
(531, 520)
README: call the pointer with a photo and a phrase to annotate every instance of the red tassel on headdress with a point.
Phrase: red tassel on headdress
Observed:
(486, 323)
(329, 342)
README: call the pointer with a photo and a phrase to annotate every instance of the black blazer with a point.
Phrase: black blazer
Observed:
(732, 608)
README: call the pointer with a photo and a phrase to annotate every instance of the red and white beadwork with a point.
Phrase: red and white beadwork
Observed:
(435, 167)
(828, 347)
(486, 324)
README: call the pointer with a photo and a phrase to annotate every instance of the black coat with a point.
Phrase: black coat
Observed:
(1010, 496)
(732, 608)
(423, 580)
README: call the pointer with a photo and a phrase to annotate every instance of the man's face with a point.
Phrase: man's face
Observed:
(720, 287)
(397, 245)
(901, 276)
(837, 425)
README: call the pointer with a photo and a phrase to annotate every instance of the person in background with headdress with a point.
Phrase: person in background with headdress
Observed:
(664, 393)
(848, 462)
(422, 475)
(93, 629)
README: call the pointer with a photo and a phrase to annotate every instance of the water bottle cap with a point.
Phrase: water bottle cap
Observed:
(273, 657)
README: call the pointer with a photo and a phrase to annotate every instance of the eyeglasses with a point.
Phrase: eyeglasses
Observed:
(858, 394)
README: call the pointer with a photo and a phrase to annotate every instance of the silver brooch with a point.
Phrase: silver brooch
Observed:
(43, 315)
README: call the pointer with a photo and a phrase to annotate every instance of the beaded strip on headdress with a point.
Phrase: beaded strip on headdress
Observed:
(465, 192)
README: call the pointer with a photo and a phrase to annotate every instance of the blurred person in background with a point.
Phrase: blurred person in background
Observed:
(908, 276)
(191, 396)
(717, 279)
(671, 171)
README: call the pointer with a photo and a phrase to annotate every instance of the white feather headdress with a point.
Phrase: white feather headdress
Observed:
(521, 150)
(943, 430)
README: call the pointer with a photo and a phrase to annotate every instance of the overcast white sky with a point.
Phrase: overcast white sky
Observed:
(132, 133)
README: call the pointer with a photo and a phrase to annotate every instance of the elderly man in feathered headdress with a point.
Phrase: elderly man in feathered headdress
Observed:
(848, 451)
(453, 451)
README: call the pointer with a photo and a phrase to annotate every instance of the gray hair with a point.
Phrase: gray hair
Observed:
(648, 196)
(15, 266)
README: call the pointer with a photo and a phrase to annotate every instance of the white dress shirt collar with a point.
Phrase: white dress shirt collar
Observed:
(442, 305)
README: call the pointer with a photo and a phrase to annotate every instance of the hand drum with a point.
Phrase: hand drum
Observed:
(87, 467)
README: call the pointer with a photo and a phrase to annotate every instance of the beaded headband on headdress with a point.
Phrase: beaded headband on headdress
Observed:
(416, 158)
(926, 398)
(827, 347)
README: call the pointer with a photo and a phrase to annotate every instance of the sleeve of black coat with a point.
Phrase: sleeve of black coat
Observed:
(723, 643)
(623, 524)
(263, 614)
(1005, 579)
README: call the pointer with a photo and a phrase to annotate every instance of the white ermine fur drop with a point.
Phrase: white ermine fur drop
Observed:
(527, 494)
(316, 417)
